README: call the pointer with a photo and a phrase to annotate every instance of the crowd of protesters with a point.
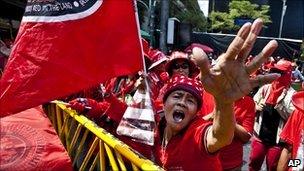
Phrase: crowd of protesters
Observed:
(206, 110)
(206, 107)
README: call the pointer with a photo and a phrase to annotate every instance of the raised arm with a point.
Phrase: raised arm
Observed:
(230, 80)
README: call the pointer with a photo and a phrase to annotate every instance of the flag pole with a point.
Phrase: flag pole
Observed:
(142, 52)
(139, 35)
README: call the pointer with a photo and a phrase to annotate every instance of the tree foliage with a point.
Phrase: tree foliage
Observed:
(238, 9)
(221, 22)
(188, 11)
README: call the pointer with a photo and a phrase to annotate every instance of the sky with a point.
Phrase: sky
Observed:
(204, 6)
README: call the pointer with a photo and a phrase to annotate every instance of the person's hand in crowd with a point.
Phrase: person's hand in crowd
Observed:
(260, 107)
(89, 107)
(79, 104)
(140, 83)
(229, 79)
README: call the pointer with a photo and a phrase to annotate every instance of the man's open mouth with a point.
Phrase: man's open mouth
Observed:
(178, 116)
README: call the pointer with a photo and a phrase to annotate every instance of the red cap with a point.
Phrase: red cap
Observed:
(157, 58)
(283, 65)
(193, 70)
(298, 100)
(205, 48)
(181, 82)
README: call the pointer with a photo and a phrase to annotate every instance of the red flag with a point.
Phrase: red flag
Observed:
(29, 142)
(64, 46)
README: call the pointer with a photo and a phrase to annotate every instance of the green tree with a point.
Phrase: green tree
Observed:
(221, 22)
(238, 9)
(188, 11)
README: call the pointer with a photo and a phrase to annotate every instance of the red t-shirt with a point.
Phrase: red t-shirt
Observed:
(231, 156)
(293, 130)
(186, 151)
(207, 103)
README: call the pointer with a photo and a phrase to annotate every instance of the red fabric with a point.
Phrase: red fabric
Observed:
(205, 48)
(245, 112)
(232, 155)
(192, 138)
(268, 65)
(186, 151)
(156, 83)
(157, 57)
(146, 46)
(298, 100)
(115, 112)
(29, 142)
(128, 87)
(119, 86)
(190, 85)
(77, 105)
(293, 130)
(283, 65)
(258, 153)
(278, 86)
(54, 59)
(110, 84)
(116, 109)
(207, 103)
(96, 108)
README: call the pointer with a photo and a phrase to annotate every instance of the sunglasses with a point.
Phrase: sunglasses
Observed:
(183, 66)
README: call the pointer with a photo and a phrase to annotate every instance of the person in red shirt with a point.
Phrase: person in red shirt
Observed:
(293, 135)
(180, 63)
(157, 75)
(273, 105)
(184, 141)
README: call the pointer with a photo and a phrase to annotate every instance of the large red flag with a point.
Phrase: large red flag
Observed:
(64, 46)
(29, 142)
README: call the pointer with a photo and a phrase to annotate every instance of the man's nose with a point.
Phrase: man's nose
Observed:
(182, 102)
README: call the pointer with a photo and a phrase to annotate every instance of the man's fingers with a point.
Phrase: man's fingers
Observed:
(261, 57)
(249, 42)
(200, 58)
(263, 79)
(237, 43)
(205, 69)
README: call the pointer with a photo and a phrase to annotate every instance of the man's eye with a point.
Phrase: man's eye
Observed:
(176, 96)
(190, 100)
